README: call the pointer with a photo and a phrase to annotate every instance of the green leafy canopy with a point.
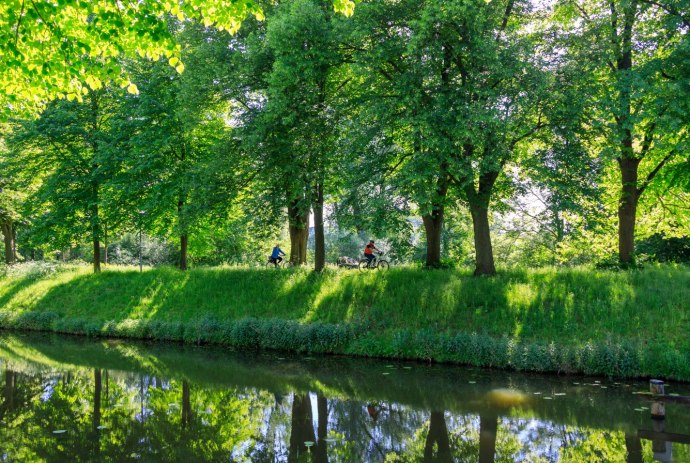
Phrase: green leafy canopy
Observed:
(64, 48)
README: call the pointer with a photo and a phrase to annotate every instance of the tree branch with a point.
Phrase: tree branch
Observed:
(614, 29)
(19, 23)
(398, 164)
(654, 172)
(582, 11)
(670, 10)
(506, 16)
(342, 84)
(648, 139)
(540, 125)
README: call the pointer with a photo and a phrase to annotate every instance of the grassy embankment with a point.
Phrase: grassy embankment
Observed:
(597, 322)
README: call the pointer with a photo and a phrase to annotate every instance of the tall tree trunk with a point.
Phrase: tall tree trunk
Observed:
(95, 186)
(184, 241)
(483, 250)
(105, 245)
(479, 199)
(95, 229)
(628, 162)
(433, 226)
(627, 210)
(96, 255)
(319, 238)
(437, 446)
(488, 426)
(433, 222)
(8, 236)
(321, 447)
(184, 238)
(299, 232)
(302, 429)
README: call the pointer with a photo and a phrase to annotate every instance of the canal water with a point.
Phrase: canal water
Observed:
(70, 399)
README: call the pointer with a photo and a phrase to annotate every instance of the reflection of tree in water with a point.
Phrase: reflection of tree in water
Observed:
(437, 446)
(9, 392)
(110, 416)
(488, 428)
(304, 444)
(102, 419)
(301, 429)
(270, 441)
(372, 440)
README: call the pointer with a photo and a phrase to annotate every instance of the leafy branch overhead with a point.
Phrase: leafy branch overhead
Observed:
(65, 48)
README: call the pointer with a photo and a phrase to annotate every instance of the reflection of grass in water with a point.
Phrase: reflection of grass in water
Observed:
(398, 313)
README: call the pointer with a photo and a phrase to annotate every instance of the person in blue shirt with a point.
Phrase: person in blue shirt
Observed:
(276, 255)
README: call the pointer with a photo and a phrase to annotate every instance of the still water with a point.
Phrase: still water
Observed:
(78, 400)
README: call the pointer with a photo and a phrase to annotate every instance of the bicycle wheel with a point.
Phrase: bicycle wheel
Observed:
(364, 265)
(270, 264)
(383, 265)
(288, 264)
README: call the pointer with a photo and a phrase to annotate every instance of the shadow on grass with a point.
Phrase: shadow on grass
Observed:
(14, 288)
(540, 305)
(171, 295)
(544, 305)
(538, 320)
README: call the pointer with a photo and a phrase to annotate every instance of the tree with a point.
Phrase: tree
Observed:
(632, 48)
(164, 136)
(296, 125)
(67, 148)
(66, 49)
(10, 216)
(561, 175)
(301, 428)
(456, 87)
(437, 446)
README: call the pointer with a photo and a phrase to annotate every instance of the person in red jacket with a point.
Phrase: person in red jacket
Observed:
(369, 252)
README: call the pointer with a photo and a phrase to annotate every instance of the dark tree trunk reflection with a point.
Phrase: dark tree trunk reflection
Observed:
(97, 388)
(302, 430)
(437, 447)
(8, 393)
(488, 425)
(634, 447)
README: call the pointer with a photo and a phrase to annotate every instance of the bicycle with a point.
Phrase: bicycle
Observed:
(375, 264)
(284, 263)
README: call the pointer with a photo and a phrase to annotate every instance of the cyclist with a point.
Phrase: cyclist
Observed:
(276, 255)
(369, 252)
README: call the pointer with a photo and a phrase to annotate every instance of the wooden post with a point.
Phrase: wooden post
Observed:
(662, 449)
(656, 387)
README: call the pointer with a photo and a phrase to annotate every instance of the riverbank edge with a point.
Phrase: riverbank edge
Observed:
(615, 359)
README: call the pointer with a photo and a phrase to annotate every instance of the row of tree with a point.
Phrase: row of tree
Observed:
(402, 110)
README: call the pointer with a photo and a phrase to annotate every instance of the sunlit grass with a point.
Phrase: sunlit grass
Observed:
(564, 306)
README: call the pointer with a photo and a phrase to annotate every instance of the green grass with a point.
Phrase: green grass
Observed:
(632, 323)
